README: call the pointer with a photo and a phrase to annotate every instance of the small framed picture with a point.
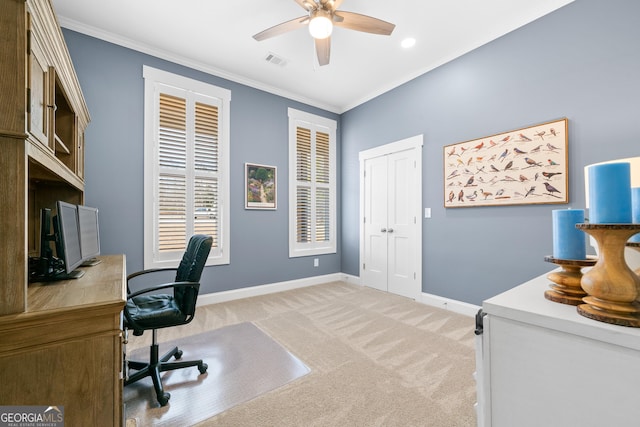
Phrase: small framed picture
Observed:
(260, 186)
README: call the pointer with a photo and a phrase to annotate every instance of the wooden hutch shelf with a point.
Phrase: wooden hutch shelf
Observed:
(61, 342)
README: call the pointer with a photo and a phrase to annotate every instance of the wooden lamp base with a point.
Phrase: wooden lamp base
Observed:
(622, 315)
(613, 288)
(636, 246)
(566, 288)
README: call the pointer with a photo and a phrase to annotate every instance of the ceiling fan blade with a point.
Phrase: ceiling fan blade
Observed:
(364, 23)
(307, 5)
(336, 4)
(276, 30)
(323, 50)
(335, 17)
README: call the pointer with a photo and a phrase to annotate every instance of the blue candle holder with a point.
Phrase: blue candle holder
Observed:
(610, 193)
(635, 212)
(568, 241)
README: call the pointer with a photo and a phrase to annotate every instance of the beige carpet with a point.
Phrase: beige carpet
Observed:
(376, 359)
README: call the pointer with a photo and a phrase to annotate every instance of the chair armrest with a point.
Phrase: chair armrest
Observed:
(151, 270)
(142, 272)
(195, 285)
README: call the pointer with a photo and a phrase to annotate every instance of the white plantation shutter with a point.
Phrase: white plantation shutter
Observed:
(206, 151)
(186, 170)
(312, 212)
(304, 207)
(172, 176)
(323, 192)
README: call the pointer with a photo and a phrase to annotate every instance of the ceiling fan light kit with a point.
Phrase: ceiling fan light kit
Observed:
(322, 16)
(320, 26)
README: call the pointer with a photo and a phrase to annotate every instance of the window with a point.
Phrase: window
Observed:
(186, 184)
(312, 184)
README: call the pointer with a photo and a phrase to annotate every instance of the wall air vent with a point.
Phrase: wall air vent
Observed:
(275, 59)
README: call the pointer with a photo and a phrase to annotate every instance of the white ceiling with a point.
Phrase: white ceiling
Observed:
(216, 36)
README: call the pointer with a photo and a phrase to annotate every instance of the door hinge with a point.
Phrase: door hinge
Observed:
(363, 266)
(28, 42)
(414, 275)
(28, 100)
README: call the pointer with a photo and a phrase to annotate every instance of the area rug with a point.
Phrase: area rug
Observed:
(243, 362)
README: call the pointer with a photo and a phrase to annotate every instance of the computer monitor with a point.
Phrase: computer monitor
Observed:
(68, 238)
(89, 234)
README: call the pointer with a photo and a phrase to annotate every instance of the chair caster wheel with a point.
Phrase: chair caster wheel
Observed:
(164, 399)
(203, 368)
(178, 354)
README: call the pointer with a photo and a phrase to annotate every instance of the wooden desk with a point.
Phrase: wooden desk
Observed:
(66, 349)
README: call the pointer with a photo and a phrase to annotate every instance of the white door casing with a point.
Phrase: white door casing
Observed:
(390, 217)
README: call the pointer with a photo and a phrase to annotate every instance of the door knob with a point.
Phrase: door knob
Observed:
(390, 230)
(384, 230)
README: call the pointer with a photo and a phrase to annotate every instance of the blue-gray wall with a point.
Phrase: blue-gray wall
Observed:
(112, 83)
(581, 62)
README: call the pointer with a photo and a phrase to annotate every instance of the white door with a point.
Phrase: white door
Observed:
(391, 228)
(375, 264)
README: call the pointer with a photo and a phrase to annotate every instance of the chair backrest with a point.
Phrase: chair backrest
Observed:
(190, 270)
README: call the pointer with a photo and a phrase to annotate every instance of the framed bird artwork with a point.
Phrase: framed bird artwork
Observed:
(522, 166)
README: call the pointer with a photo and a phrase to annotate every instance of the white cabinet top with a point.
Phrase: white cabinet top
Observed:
(526, 303)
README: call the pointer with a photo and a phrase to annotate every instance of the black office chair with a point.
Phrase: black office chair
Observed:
(159, 310)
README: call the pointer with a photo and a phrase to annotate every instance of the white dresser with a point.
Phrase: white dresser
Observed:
(540, 363)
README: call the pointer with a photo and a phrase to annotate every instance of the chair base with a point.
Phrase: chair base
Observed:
(160, 364)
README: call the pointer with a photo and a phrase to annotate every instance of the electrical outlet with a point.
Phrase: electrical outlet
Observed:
(316, 262)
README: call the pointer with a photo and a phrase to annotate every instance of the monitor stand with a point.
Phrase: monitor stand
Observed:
(75, 274)
(48, 270)
(54, 277)
(91, 262)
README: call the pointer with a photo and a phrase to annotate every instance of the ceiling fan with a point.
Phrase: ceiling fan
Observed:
(322, 16)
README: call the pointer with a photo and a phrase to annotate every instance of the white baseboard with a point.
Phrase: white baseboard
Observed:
(254, 291)
(354, 280)
(450, 304)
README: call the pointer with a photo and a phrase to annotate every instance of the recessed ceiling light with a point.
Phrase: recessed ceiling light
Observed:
(408, 42)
